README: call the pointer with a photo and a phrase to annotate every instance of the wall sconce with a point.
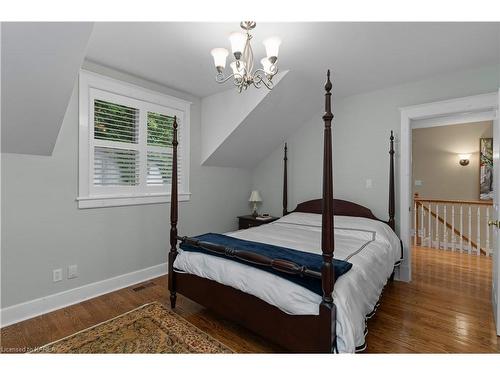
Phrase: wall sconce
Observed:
(464, 159)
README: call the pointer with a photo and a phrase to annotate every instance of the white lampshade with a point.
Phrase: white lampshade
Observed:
(255, 196)
(272, 45)
(219, 55)
(464, 156)
(238, 72)
(238, 41)
(266, 65)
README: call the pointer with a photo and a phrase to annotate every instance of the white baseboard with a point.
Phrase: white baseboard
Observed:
(26, 310)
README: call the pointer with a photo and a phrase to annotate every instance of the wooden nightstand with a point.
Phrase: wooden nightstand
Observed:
(248, 221)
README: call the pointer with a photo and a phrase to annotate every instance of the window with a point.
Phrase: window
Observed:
(125, 145)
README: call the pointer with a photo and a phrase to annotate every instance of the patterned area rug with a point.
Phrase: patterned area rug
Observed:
(148, 329)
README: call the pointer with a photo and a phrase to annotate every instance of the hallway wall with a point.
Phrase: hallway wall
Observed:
(436, 161)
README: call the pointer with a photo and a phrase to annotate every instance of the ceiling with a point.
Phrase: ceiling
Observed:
(363, 56)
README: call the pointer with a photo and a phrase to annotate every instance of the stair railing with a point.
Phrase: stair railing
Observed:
(456, 225)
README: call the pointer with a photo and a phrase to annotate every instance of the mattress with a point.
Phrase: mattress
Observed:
(371, 246)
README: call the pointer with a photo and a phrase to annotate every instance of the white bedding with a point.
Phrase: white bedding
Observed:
(371, 246)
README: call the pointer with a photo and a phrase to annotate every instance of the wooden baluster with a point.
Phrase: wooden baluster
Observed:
(470, 229)
(445, 228)
(478, 230)
(437, 226)
(452, 227)
(422, 236)
(487, 247)
(429, 226)
(461, 228)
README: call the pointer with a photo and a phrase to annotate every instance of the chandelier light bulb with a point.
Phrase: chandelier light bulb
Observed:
(239, 73)
(272, 45)
(219, 55)
(266, 66)
(238, 41)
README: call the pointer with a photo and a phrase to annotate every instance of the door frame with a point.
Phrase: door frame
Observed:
(461, 110)
(495, 290)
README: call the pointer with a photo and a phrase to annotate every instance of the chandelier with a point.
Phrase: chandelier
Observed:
(243, 74)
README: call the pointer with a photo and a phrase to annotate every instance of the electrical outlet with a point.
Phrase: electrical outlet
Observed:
(57, 275)
(369, 183)
(72, 271)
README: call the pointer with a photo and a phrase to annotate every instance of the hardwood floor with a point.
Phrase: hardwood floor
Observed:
(446, 308)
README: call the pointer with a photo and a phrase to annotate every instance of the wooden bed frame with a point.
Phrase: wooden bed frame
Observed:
(296, 333)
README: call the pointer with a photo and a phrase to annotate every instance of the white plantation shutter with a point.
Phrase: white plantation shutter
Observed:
(159, 168)
(125, 144)
(159, 150)
(115, 167)
(116, 134)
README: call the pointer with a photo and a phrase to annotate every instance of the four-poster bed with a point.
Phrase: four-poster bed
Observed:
(309, 325)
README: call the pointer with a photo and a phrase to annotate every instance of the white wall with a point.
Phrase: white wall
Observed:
(42, 228)
(361, 130)
(223, 112)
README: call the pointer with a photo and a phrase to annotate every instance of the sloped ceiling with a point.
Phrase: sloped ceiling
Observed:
(217, 125)
(267, 125)
(40, 63)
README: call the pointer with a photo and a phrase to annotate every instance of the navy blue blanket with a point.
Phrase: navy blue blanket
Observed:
(309, 260)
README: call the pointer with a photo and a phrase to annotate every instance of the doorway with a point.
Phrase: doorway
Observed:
(452, 185)
(462, 110)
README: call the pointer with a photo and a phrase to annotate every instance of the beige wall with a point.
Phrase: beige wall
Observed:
(435, 160)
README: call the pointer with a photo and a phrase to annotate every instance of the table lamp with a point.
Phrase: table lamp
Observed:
(254, 198)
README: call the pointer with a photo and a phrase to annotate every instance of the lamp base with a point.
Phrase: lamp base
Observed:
(254, 213)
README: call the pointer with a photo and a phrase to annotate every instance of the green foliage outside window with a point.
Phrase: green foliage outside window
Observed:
(160, 130)
(114, 122)
(160, 134)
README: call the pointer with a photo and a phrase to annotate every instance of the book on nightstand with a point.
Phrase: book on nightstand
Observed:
(264, 217)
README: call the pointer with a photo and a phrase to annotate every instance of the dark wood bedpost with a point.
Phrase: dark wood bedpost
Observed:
(285, 182)
(392, 198)
(327, 308)
(173, 220)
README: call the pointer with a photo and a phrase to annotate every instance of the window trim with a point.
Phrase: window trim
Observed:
(89, 82)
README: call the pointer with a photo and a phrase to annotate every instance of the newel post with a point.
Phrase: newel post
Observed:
(173, 219)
